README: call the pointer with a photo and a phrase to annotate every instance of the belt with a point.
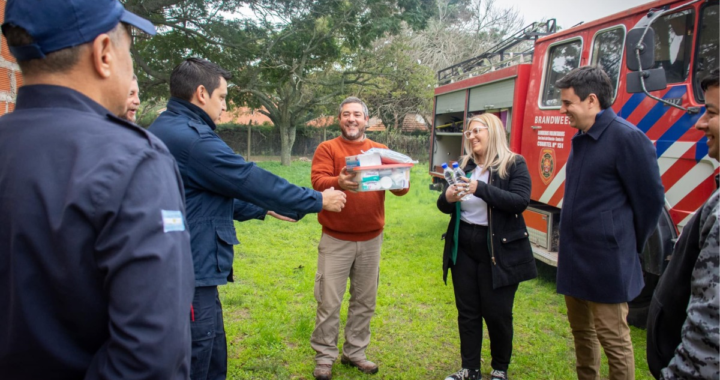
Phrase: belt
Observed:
(472, 224)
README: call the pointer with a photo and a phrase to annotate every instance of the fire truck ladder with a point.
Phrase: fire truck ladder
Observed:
(484, 62)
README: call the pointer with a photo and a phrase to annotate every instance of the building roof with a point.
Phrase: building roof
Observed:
(244, 115)
(374, 124)
(321, 122)
(414, 122)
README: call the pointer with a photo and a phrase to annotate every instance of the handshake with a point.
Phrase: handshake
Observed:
(333, 200)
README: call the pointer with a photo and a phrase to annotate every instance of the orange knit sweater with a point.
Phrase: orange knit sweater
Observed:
(363, 217)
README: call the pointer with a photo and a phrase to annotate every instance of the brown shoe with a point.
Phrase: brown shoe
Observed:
(365, 366)
(323, 371)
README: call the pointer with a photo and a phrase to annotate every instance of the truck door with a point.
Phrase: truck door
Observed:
(447, 130)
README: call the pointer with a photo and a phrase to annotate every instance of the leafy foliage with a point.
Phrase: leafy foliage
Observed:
(401, 86)
(292, 57)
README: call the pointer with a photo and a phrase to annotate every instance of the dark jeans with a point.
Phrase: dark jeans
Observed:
(209, 349)
(476, 300)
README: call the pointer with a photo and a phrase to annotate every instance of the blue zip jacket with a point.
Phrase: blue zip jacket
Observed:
(612, 203)
(96, 278)
(215, 177)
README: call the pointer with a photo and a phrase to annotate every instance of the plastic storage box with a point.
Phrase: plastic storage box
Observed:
(382, 177)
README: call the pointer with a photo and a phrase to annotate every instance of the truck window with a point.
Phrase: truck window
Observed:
(706, 52)
(607, 52)
(673, 44)
(561, 59)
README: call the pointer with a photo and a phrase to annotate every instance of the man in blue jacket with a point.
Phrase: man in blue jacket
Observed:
(219, 186)
(96, 274)
(612, 203)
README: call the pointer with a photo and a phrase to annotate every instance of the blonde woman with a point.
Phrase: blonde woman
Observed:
(486, 244)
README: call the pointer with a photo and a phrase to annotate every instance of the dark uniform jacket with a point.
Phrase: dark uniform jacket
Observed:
(96, 275)
(683, 319)
(506, 200)
(612, 203)
(214, 177)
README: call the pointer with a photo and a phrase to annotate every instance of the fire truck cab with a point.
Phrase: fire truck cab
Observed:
(680, 41)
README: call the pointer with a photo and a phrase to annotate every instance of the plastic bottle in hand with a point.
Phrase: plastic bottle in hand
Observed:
(459, 173)
(449, 174)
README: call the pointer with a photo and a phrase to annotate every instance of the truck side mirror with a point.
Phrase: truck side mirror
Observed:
(654, 80)
(646, 46)
(640, 53)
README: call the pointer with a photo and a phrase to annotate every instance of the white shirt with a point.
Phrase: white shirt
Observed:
(474, 210)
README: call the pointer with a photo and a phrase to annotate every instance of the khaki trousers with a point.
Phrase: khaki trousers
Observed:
(339, 260)
(599, 324)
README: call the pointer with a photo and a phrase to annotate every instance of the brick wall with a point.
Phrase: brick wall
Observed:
(10, 77)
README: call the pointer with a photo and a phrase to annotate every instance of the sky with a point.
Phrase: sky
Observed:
(569, 12)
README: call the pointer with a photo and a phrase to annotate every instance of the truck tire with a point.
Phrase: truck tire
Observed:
(638, 308)
(654, 257)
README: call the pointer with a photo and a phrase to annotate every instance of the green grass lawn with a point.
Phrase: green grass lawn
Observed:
(270, 309)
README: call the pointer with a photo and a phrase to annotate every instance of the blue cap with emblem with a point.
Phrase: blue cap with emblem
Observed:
(60, 24)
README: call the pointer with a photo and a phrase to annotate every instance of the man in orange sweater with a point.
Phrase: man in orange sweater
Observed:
(349, 247)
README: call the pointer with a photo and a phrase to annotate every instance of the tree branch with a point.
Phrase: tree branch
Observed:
(146, 68)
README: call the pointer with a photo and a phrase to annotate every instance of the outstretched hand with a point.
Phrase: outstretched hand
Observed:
(333, 200)
(280, 217)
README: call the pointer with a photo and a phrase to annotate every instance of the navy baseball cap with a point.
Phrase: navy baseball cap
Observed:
(59, 24)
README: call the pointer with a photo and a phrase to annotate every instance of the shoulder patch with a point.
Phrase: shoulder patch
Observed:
(172, 220)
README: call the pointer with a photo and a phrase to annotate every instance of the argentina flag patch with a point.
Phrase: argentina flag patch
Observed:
(172, 220)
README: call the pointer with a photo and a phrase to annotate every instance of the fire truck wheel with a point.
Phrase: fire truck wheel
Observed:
(638, 308)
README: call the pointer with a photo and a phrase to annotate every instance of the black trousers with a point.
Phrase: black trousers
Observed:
(209, 349)
(476, 300)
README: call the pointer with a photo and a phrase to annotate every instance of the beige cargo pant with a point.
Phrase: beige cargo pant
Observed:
(598, 324)
(339, 260)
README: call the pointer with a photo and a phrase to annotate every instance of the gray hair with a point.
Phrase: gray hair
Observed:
(352, 99)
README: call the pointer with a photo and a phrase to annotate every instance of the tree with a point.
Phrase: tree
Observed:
(462, 30)
(186, 28)
(401, 85)
(485, 19)
(292, 57)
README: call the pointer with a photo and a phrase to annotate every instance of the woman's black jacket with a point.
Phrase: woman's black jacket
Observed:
(509, 245)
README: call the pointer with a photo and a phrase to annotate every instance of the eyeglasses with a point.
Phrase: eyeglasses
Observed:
(470, 132)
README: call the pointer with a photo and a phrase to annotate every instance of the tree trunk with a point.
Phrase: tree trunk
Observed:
(287, 139)
(249, 140)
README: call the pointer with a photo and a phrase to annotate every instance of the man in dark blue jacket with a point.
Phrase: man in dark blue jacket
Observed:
(219, 186)
(612, 203)
(96, 275)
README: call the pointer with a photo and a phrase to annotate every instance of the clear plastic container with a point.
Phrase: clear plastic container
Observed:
(382, 177)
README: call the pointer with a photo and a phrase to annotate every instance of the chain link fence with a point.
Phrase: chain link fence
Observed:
(265, 141)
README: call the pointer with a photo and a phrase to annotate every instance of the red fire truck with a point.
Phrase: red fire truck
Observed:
(680, 47)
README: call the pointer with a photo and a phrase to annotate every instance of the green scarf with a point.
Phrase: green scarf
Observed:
(457, 227)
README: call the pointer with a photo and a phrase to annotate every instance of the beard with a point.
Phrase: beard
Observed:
(353, 136)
